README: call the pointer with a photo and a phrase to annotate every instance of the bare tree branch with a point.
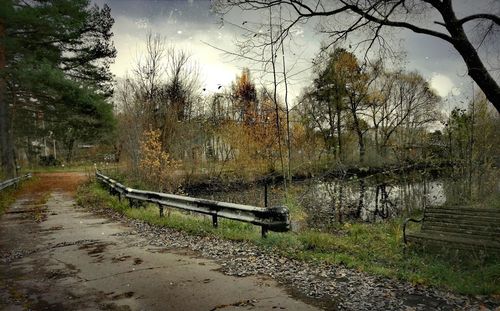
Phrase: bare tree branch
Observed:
(392, 14)
(493, 18)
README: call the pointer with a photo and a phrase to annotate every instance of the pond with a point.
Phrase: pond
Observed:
(322, 204)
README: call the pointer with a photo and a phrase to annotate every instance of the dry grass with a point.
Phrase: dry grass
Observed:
(47, 182)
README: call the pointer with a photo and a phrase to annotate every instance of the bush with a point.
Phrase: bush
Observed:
(49, 161)
(157, 166)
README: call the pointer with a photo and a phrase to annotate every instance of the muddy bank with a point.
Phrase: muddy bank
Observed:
(210, 184)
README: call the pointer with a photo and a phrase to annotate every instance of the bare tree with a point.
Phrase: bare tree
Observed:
(378, 102)
(132, 119)
(315, 118)
(287, 110)
(148, 76)
(160, 95)
(138, 97)
(274, 48)
(180, 95)
(433, 18)
(332, 69)
(358, 85)
(411, 105)
(182, 83)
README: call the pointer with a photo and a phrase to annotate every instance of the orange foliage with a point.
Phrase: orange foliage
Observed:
(156, 165)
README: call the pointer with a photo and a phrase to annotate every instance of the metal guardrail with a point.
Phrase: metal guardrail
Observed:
(13, 181)
(270, 219)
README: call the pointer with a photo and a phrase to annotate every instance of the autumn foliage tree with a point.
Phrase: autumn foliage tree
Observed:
(244, 96)
(387, 109)
(156, 166)
(255, 115)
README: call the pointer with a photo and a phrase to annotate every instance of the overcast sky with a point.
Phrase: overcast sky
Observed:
(190, 25)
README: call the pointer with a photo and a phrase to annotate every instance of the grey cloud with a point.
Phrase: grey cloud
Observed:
(197, 23)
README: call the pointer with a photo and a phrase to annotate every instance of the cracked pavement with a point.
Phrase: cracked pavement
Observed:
(55, 256)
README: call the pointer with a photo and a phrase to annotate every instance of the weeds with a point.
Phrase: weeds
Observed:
(8, 195)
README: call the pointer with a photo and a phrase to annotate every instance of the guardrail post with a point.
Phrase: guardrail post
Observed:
(214, 221)
(265, 194)
(264, 232)
(161, 210)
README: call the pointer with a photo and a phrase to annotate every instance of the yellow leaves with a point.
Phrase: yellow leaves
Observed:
(376, 96)
(156, 165)
(346, 63)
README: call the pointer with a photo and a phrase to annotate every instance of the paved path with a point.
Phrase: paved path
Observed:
(56, 256)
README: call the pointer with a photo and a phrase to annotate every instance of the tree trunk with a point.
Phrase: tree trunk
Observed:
(6, 142)
(275, 100)
(70, 145)
(361, 201)
(361, 144)
(339, 133)
(480, 74)
(8, 165)
(475, 67)
(329, 137)
(359, 133)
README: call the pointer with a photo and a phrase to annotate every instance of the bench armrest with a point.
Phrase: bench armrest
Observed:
(407, 220)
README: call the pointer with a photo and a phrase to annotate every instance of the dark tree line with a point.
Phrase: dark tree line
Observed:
(54, 74)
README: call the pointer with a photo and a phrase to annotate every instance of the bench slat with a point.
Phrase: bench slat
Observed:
(463, 234)
(457, 220)
(450, 245)
(462, 210)
(480, 218)
(465, 225)
(423, 237)
(460, 228)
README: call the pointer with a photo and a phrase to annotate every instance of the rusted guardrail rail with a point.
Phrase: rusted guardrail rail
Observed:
(270, 219)
(13, 181)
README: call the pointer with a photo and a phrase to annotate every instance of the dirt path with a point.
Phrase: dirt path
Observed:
(55, 256)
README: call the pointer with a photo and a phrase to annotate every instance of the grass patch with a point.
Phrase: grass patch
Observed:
(296, 211)
(92, 194)
(9, 195)
(373, 248)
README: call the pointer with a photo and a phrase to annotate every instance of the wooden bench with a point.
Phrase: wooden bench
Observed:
(457, 228)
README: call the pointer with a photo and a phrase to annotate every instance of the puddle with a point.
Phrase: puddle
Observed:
(138, 261)
(94, 248)
(123, 295)
(118, 259)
